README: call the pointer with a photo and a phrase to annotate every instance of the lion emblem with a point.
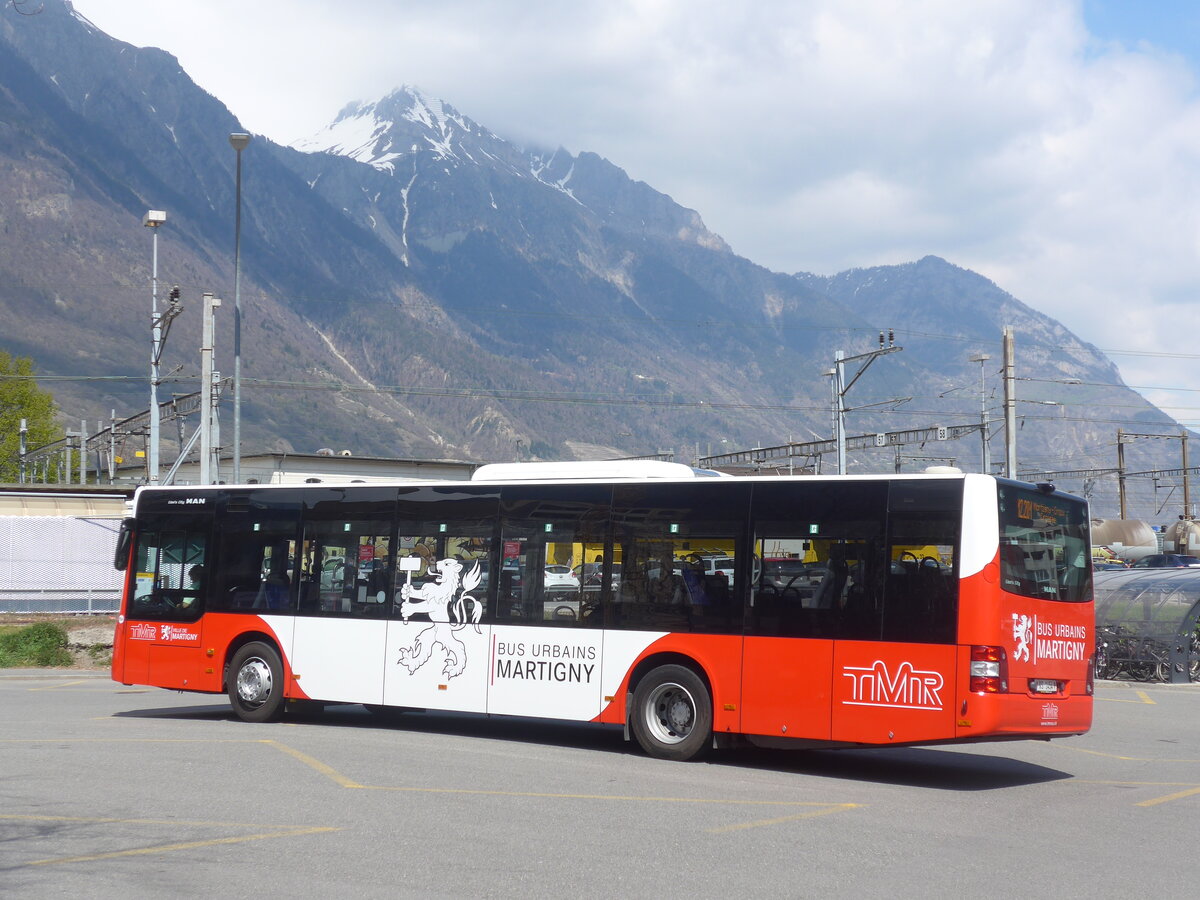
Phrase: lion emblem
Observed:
(450, 608)
(1022, 628)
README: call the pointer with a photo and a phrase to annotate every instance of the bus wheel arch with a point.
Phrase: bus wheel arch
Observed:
(255, 679)
(669, 707)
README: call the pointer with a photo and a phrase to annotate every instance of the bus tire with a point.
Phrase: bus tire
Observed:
(256, 683)
(672, 714)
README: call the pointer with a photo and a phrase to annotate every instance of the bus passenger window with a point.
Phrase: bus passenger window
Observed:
(256, 562)
(346, 567)
(553, 558)
(921, 590)
(441, 575)
(545, 581)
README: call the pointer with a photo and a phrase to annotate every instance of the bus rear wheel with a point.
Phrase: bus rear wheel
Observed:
(256, 683)
(672, 714)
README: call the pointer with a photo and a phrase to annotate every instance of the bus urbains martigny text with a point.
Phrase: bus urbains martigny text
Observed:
(697, 610)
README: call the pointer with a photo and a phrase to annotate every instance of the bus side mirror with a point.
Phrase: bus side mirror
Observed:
(124, 540)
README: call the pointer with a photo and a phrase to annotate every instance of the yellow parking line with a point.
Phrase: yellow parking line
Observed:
(316, 764)
(55, 687)
(1127, 758)
(1143, 697)
(276, 831)
(115, 820)
(822, 808)
(831, 808)
(1170, 797)
(188, 845)
(627, 798)
(812, 808)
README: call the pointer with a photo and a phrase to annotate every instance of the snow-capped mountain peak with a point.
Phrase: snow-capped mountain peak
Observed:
(403, 123)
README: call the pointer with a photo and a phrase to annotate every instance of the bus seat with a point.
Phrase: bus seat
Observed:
(829, 591)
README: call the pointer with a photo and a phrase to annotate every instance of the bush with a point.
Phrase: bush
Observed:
(43, 644)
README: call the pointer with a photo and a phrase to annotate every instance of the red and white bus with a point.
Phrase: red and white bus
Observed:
(914, 609)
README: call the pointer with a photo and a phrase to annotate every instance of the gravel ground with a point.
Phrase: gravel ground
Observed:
(89, 638)
(90, 641)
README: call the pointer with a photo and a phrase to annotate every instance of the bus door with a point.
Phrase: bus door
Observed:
(344, 576)
(161, 637)
(437, 647)
(895, 660)
(547, 645)
(788, 649)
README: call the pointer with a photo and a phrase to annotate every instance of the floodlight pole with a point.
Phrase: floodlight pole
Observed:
(208, 407)
(840, 387)
(982, 358)
(1010, 407)
(238, 141)
(152, 220)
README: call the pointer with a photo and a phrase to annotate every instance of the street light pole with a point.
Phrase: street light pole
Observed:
(841, 387)
(239, 141)
(208, 408)
(982, 358)
(152, 220)
(1010, 406)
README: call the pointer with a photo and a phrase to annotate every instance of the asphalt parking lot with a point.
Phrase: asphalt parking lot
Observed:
(111, 791)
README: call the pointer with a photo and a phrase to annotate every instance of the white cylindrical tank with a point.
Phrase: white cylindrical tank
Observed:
(1182, 536)
(1130, 539)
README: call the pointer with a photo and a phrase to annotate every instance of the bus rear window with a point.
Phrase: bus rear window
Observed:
(1045, 546)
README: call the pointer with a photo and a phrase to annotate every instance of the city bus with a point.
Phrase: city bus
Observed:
(925, 609)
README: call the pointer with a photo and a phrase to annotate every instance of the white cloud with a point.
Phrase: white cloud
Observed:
(812, 135)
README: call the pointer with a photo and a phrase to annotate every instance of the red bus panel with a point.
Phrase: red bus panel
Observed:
(893, 693)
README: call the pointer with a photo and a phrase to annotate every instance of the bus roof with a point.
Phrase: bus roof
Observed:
(586, 470)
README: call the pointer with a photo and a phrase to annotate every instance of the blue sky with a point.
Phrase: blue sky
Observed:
(1172, 25)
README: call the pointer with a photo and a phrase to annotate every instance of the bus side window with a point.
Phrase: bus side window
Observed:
(255, 570)
(921, 592)
(439, 575)
(553, 556)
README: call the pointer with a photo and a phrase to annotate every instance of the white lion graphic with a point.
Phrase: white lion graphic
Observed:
(1022, 628)
(448, 611)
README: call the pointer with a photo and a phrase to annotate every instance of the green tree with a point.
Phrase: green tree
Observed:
(21, 398)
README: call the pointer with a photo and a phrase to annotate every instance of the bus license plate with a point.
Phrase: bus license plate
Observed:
(1044, 686)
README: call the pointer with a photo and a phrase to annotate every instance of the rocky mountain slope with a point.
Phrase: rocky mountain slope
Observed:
(414, 284)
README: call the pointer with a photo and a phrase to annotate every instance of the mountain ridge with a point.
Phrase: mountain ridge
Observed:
(469, 298)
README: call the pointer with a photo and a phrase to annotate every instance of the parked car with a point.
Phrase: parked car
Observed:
(593, 573)
(781, 574)
(1103, 564)
(1166, 561)
(560, 578)
(719, 565)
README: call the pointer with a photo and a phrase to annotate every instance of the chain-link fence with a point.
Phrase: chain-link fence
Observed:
(58, 564)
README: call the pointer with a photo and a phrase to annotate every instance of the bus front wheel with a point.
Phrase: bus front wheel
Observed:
(256, 683)
(672, 714)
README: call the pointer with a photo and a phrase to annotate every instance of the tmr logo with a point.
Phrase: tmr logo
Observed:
(907, 688)
(142, 631)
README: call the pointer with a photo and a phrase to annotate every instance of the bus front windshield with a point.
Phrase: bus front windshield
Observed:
(1045, 545)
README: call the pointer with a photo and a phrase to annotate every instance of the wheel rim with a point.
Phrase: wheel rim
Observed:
(670, 713)
(254, 682)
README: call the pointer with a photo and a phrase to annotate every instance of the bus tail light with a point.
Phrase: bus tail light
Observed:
(989, 670)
